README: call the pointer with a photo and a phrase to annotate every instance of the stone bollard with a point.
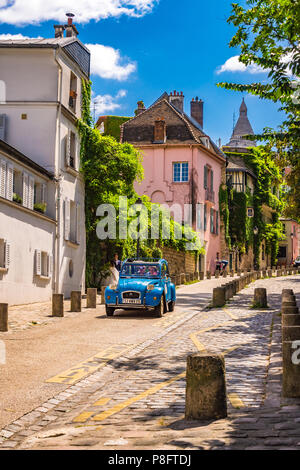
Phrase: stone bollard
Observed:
(201, 276)
(208, 275)
(3, 317)
(290, 369)
(287, 291)
(91, 300)
(260, 298)
(57, 305)
(103, 295)
(225, 274)
(76, 301)
(178, 279)
(290, 310)
(217, 274)
(232, 273)
(239, 272)
(290, 320)
(270, 273)
(258, 274)
(227, 291)
(187, 278)
(205, 387)
(264, 273)
(219, 297)
(291, 333)
(196, 275)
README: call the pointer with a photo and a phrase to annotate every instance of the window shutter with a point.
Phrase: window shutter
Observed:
(205, 176)
(6, 255)
(199, 216)
(2, 178)
(67, 219)
(205, 217)
(68, 148)
(30, 193)
(25, 189)
(211, 180)
(77, 223)
(10, 182)
(50, 265)
(2, 126)
(212, 220)
(38, 262)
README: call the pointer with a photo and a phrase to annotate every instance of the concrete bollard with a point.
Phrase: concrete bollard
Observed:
(227, 292)
(103, 295)
(260, 298)
(225, 274)
(291, 333)
(3, 317)
(232, 273)
(187, 278)
(219, 297)
(217, 274)
(57, 305)
(91, 300)
(270, 273)
(182, 278)
(290, 370)
(290, 310)
(205, 387)
(76, 301)
(264, 273)
(258, 274)
(196, 275)
(201, 276)
(208, 275)
(287, 291)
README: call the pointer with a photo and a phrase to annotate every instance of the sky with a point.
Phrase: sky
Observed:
(141, 48)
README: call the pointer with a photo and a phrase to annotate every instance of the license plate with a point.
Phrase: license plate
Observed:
(131, 301)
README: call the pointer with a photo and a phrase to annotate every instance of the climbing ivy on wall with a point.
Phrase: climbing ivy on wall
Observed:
(112, 126)
(263, 162)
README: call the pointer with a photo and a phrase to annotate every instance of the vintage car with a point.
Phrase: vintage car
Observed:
(143, 284)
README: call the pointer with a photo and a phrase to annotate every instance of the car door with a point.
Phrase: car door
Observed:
(167, 281)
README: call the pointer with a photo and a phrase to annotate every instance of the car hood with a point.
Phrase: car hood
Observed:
(136, 284)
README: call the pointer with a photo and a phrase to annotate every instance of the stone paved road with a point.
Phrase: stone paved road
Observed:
(137, 400)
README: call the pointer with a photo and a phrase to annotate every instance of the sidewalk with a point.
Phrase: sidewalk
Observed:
(137, 401)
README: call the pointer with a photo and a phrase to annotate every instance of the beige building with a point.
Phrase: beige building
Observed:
(42, 220)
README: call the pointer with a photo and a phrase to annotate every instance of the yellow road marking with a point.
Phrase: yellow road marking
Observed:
(236, 401)
(231, 349)
(83, 417)
(230, 314)
(117, 408)
(102, 402)
(90, 365)
(197, 343)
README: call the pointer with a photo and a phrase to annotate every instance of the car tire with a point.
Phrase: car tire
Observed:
(171, 306)
(160, 309)
(109, 311)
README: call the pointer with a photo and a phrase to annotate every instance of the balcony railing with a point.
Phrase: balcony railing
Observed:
(209, 195)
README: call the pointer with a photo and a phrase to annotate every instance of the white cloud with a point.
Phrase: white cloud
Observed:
(21, 13)
(104, 103)
(6, 37)
(107, 62)
(234, 65)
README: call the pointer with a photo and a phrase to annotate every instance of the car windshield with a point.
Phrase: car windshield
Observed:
(140, 270)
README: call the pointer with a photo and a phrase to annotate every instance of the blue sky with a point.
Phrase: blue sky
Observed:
(141, 48)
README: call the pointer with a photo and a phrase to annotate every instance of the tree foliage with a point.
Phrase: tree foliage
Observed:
(268, 33)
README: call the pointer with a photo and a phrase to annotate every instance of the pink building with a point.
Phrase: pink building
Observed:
(181, 164)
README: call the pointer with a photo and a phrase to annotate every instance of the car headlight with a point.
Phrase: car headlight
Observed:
(113, 286)
(150, 287)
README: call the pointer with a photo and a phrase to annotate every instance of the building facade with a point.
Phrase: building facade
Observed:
(182, 166)
(289, 247)
(40, 103)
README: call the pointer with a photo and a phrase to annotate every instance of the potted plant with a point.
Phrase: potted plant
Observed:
(40, 207)
(17, 198)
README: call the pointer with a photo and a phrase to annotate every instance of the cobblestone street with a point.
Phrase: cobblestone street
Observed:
(137, 400)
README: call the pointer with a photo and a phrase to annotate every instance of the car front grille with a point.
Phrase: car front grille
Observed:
(131, 295)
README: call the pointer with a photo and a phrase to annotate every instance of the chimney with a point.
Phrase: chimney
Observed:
(140, 108)
(177, 100)
(160, 131)
(71, 30)
(197, 110)
(59, 31)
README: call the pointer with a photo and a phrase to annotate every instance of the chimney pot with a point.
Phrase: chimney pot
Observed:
(197, 111)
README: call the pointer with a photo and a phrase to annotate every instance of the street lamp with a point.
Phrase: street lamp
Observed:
(255, 232)
(138, 206)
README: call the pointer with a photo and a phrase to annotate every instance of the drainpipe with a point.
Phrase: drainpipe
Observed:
(58, 178)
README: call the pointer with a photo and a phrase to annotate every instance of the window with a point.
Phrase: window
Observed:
(282, 252)
(212, 221)
(180, 172)
(283, 228)
(73, 92)
(43, 264)
(4, 254)
(72, 220)
(70, 156)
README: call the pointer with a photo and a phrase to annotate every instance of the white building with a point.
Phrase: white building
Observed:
(42, 219)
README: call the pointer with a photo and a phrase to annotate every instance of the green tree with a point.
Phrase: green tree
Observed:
(268, 33)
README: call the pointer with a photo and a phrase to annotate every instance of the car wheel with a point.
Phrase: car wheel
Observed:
(109, 311)
(160, 309)
(171, 306)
